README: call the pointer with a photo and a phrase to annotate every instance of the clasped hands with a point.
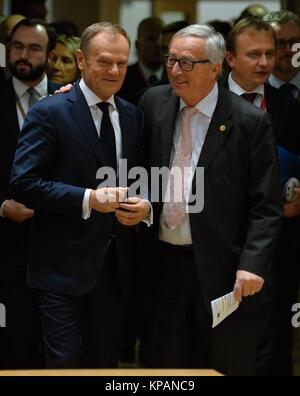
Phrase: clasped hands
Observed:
(128, 211)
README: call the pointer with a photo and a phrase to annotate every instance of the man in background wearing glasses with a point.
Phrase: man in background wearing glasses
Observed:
(285, 76)
(226, 247)
(29, 45)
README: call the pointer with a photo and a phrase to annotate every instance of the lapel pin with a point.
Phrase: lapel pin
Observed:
(222, 128)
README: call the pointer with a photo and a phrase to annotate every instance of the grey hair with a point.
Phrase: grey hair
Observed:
(215, 46)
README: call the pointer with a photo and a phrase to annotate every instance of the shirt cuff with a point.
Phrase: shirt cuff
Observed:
(86, 211)
(1, 208)
(149, 219)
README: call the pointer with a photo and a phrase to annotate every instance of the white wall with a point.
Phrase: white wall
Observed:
(228, 10)
(132, 12)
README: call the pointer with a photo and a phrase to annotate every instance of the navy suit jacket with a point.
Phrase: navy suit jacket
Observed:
(57, 158)
(14, 236)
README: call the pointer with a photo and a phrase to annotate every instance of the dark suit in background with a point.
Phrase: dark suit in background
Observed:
(284, 114)
(275, 351)
(19, 341)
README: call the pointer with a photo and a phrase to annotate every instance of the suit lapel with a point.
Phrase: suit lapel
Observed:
(84, 120)
(166, 122)
(218, 131)
(127, 132)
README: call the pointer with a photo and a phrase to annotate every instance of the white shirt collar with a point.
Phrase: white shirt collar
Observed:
(91, 98)
(148, 73)
(237, 89)
(208, 104)
(276, 82)
(21, 88)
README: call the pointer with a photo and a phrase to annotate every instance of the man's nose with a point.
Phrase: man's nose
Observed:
(114, 69)
(263, 60)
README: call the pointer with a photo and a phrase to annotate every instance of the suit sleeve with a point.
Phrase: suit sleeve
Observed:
(264, 201)
(35, 156)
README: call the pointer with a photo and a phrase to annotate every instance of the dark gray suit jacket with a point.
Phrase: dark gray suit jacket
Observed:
(241, 219)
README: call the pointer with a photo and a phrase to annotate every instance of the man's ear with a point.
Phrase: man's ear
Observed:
(216, 69)
(80, 59)
(229, 58)
(50, 56)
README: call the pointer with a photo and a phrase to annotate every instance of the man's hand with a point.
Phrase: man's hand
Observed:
(107, 200)
(292, 209)
(16, 211)
(133, 211)
(64, 89)
(247, 284)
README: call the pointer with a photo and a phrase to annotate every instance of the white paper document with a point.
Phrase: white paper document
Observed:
(223, 307)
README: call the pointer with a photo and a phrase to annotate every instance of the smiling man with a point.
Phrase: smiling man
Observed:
(82, 248)
(202, 256)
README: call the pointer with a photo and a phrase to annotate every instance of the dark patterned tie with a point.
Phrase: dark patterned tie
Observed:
(33, 96)
(249, 96)
(288, 89)
(107, 136)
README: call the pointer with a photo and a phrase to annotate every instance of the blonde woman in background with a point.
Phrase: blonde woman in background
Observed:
(63, 67)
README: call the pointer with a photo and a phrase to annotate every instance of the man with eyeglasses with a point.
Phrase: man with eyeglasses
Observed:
(285, 76)
(29, 45)
(199, 257)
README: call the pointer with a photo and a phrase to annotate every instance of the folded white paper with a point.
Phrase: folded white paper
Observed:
(223, 307)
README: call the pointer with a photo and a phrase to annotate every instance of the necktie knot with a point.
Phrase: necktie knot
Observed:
(103, 106)
(188, 112)
(288, 89)
(33, 96)
(250, 96)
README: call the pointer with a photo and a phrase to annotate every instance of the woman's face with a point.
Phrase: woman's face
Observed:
(62, 66)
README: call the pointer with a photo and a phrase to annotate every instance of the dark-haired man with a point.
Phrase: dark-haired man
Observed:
(251, 49)
(29, 45)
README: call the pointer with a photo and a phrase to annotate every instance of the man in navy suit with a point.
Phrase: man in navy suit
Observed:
(81, 246)
(29, 45)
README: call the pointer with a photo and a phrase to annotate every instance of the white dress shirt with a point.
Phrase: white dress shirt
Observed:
(148, 73)
(199, 125)
(276, 82)
(92, 101)
(22, 96)
(22, 104)
(237, 89)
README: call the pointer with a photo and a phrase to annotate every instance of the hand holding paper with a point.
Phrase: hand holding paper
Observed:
(223, 307)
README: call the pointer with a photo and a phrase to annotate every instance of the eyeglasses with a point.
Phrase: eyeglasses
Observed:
(185, 64)
(281, 43)
(32, 49)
